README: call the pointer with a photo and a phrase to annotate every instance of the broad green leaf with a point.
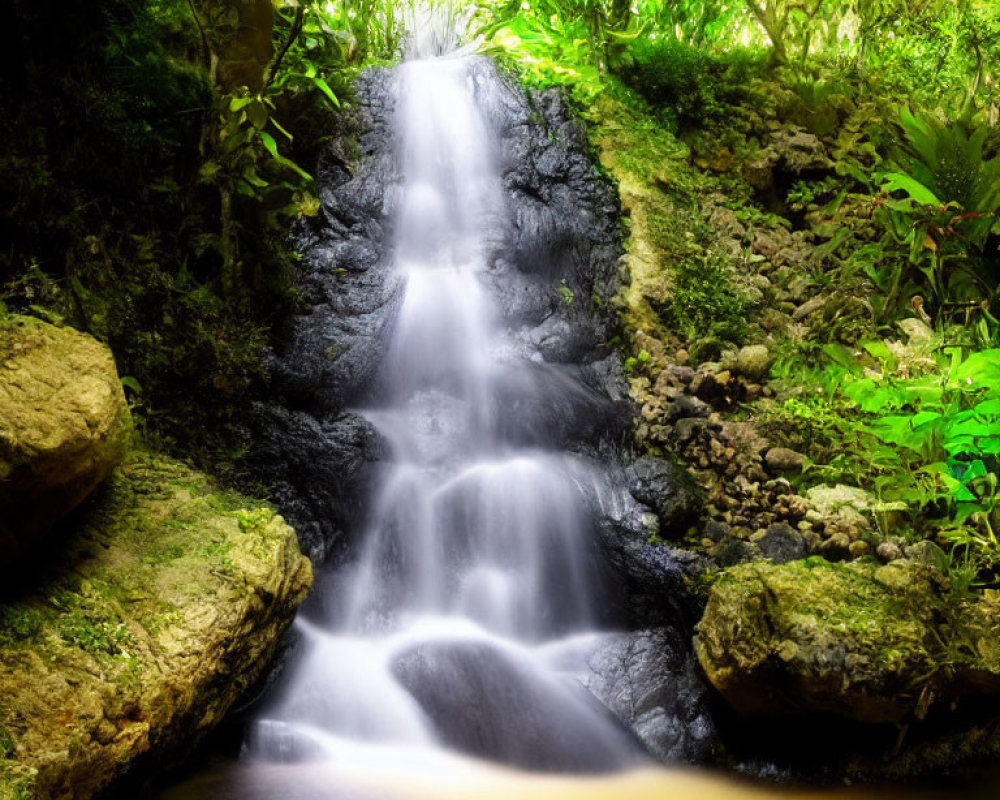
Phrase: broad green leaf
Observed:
(269, 144)
(257, 113)
(898, 181)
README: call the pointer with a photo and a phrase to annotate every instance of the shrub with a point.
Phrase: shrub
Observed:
(693, 86)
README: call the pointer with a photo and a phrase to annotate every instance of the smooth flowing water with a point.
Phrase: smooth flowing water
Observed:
(474, 577)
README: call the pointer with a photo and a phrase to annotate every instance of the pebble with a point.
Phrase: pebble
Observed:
(888, 551)
(837, 547)
(753, 360)
(783, 459)
(860, 548)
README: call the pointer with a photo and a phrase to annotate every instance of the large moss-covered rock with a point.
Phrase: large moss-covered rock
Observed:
(64, 425)
(166, 603)
(869, 643)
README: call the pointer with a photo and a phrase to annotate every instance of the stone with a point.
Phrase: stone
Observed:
(64, 426)
(319, 471)
(166, 603)
(888, 551)
(808, 308)
(716, 531)
(782, 543)
(753, 361)
(860, 548)
(867, 643)
(927, 552)
(523, 717)
(670, 490)
(837, 547)
(783, 459)
(733, 551)
(827, 500)
(649, 680)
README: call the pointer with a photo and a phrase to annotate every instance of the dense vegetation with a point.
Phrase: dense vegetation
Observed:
(149, 174)
(887, 224)
(156, 153)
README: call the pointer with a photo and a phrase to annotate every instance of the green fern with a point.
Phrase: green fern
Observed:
(949, 165)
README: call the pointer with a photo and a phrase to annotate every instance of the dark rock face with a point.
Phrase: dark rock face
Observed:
(670, 490)
(549, 272)
(319, 471)
(648, 680)
(336, 339)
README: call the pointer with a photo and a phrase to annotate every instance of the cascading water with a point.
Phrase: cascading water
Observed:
(475, 576)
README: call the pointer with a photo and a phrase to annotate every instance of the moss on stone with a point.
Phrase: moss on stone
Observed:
(166, 602)
(870, 643)
(64, 425)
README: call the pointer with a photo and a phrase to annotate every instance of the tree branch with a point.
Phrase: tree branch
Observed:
(275, 64)
(206, 50)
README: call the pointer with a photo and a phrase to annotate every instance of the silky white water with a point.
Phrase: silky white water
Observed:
(475, 565)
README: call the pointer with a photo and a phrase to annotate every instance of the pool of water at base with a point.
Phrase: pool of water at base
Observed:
(422, 774)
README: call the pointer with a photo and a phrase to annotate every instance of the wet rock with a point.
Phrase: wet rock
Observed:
(668, 489)
(493, 703)
(782, 543)
(556, 406)
(564, 233)
(853, 640)
(319, 471)
(64, 426)
(122, 652)
(653, 585)
(753, 361)
(782, 459)
(650, 682)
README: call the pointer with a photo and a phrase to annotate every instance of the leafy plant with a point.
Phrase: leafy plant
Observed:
(705, 300)
(940, 206)
(932, 441)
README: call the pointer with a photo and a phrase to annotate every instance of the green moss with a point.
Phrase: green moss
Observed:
(873, 643)
(20, 623)
(152, 573)
(8, 748)
(17, 782)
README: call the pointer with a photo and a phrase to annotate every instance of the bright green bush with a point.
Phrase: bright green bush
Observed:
(692, 86)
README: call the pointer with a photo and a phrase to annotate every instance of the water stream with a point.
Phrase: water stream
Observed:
(475, 573)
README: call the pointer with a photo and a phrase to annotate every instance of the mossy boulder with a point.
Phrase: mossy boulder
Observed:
(64, 426)
(166, 603)
(867, 643)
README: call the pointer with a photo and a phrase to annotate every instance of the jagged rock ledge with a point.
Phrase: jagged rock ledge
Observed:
(167, 599)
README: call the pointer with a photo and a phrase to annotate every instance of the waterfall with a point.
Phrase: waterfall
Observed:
(474, 578)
